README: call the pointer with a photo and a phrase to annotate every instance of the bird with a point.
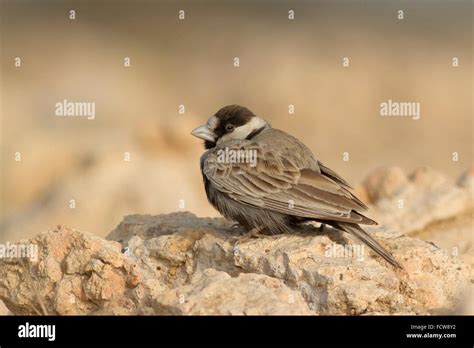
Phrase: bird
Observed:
(285, 187)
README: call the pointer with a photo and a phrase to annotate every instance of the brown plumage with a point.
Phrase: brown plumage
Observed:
(286, 186)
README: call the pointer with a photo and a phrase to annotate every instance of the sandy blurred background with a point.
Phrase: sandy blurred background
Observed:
(190, 62)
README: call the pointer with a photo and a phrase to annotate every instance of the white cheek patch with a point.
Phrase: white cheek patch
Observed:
(212, 122)
(243, 132)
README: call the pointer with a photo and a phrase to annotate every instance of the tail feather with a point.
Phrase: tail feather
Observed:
(363, 236)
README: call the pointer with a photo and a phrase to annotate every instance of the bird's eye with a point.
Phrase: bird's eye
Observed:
(229, 128)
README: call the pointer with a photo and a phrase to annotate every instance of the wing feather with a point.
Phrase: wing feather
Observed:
(279, 184)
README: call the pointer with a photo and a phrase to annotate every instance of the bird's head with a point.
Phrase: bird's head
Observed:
(232, 122)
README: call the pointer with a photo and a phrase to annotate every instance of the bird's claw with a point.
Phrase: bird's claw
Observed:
(253, 233)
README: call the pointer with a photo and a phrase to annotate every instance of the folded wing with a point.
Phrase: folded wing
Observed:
(279, 184)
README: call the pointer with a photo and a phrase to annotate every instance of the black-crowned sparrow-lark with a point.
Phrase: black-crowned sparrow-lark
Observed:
(284, 187)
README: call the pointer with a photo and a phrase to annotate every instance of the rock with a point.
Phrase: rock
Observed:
(329, 284)
(181, 264)
(74, 273)
(148, 226)
(466, 305)
(3, 309)
(385, 182)
(410, 205)
(178, 264)
(453, 235)
(217, 293)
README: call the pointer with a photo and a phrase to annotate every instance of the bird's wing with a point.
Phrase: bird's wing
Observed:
(278, 183)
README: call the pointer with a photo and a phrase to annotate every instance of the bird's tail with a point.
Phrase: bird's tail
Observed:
(363, 236)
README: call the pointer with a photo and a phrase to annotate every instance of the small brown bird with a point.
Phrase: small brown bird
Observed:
(267, 180)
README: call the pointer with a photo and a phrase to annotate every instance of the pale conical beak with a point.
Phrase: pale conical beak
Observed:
(203, 132)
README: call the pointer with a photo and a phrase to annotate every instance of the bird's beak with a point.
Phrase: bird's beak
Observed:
(203, 132)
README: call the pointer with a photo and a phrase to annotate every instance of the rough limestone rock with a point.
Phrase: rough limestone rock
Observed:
(217, 293)
(181, 264)
(3, 309)
(425, 205)
(329, 284)
(74, 273)
(410, 203)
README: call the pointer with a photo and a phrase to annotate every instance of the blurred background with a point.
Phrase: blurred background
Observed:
(189, 62)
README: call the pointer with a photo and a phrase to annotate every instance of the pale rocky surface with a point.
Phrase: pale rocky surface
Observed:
(432, 208)
(409, 203)
(3, 309)
(75, 272)
(177, 263)
(218, 293)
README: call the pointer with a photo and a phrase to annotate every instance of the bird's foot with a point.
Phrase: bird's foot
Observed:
(253, 233)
